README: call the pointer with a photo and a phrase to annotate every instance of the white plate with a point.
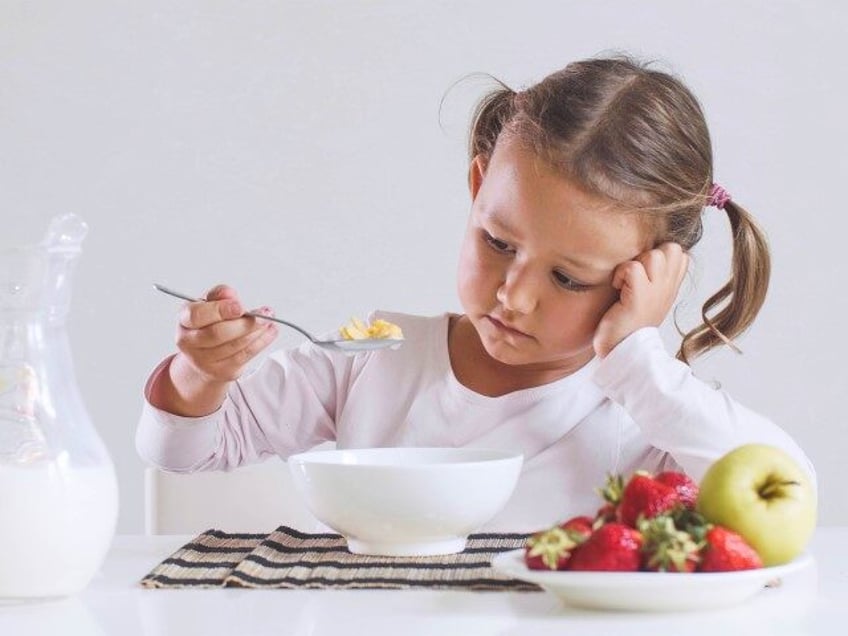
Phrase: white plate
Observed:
(647, 591)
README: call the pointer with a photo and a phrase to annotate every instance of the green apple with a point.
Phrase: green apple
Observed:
(763, 494)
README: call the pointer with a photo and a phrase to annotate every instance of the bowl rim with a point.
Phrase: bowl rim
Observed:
(480, 456)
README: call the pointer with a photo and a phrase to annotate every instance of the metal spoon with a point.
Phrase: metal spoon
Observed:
(348, 346)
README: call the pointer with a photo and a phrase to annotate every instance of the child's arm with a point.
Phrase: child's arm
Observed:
(286, 405)
(204, 412)
(183, 426)
(679, 414)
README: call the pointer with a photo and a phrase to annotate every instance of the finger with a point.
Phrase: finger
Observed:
(220, 292)
(218, 333)
(264, 311)
(629, 273)
(221, 332)
(252, 345)
(212, 359)
(654, 261)
(673, 252)
(232, 366)
(221, 350)
(676, 262)
(202, 314)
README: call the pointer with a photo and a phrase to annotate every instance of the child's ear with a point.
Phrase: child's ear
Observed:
(476, 171)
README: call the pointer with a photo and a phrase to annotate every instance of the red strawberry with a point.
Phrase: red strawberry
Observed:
(644, 497)
(578, 527)
(549, 549)
(612, 547)
(605, 514)
(665, 548)
(726, 551)
(686, 487)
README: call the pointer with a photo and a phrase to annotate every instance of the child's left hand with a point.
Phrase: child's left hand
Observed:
(647, 286)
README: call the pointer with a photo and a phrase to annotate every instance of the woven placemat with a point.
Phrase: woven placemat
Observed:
(288, 558)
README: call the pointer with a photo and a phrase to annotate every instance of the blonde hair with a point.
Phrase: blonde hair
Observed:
(637, 137)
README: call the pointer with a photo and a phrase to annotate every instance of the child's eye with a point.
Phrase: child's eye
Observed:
(566, 282)
(497, 244)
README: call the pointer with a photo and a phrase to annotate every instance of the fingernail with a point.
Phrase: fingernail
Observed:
(267, 311)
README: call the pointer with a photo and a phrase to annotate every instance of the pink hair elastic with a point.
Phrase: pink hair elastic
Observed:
(718, 196)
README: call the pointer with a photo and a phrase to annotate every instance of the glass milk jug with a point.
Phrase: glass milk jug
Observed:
(58, 491)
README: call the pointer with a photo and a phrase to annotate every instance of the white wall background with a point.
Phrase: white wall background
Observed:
(297, 151)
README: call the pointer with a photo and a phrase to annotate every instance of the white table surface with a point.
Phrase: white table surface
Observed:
(814, 601)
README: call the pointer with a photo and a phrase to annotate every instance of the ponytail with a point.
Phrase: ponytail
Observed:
(490, 116)
(732, 309)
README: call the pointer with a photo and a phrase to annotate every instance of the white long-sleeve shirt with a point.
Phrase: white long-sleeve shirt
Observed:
(638, 408)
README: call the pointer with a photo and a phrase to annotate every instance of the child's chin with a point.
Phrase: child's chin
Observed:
(507, 354)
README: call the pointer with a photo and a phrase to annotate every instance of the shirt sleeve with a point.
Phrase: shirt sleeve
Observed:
(288, 404)
(690, 422)
(172, 442)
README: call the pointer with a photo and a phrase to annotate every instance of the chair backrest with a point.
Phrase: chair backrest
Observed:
(255, 498)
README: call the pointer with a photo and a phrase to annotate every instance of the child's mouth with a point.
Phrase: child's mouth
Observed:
(506, 328)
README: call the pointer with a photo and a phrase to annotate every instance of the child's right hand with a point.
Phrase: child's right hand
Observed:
(217, 340)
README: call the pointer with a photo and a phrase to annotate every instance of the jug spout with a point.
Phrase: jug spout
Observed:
(65, 233)
(36, 279)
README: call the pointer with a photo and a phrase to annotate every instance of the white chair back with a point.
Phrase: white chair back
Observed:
(255, 498)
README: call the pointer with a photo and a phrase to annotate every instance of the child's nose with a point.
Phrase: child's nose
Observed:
(518, 292)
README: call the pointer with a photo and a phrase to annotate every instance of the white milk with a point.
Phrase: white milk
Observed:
(55, 527)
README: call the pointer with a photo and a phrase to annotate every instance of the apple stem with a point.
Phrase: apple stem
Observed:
(770, 488)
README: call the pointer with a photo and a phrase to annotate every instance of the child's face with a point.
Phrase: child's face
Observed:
(536, 265)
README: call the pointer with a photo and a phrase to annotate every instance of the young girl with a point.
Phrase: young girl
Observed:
(587, 193)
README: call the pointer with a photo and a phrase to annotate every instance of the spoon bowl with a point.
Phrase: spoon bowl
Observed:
(346, 346)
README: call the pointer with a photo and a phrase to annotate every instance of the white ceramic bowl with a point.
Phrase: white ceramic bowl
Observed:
(405, 501)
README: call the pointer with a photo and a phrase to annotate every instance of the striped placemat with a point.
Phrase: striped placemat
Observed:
(288, 558)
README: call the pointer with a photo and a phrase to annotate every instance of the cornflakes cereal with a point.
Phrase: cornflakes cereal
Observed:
(378, 329)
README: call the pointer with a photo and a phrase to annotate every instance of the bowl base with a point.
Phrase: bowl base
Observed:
(419, 548)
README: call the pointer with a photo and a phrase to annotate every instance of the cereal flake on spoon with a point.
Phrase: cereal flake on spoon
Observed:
(378, 329)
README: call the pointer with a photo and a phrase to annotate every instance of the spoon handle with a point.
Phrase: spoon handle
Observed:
(176, 294)
(191, 299)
